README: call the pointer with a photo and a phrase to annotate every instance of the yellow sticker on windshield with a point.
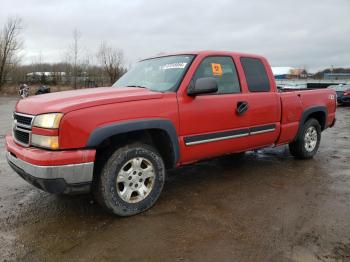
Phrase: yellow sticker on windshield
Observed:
(216, 68)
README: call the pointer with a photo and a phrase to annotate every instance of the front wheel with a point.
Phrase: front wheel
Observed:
(131, 180)
(308, 141)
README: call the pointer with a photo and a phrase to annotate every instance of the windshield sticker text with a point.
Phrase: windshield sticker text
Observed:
(173, 66)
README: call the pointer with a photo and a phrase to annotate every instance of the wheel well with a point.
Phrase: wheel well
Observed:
(320, 117)
(157, 138)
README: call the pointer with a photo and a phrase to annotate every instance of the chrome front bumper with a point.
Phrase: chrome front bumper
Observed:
(72, 178)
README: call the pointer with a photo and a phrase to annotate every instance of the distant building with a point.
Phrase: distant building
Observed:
(287, 72)
(45, 77)
(336, 76)
(281, 72)
(298, 73)
(46, 73)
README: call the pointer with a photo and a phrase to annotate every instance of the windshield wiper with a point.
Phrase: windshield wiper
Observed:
(136, 86)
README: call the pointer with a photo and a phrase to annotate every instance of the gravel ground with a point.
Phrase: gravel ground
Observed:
(264, 206)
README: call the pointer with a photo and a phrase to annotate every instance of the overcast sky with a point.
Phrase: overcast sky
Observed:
(310, 33)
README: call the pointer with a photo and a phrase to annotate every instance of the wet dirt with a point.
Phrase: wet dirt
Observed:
(264, 206)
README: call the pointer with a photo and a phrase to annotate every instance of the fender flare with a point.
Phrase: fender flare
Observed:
(99, 134)
(307, 112)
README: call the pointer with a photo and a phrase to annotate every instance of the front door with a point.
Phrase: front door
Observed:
(210, 123)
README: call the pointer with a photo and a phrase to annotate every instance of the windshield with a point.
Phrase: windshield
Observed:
(157, 74)
(341, 87)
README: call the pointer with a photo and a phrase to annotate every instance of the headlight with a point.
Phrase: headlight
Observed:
(51, 120)
(50, 142)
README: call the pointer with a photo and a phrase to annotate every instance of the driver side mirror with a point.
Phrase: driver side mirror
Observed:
(203, 85)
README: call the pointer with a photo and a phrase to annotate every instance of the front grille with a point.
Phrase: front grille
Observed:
(23, 119)
(22, 136)
(22, 128)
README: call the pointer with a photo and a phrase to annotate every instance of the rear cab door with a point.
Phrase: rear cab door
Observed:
(264, 103)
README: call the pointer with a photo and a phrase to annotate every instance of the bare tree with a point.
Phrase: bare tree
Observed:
(111, 59)
(10, 46)
(73, 56)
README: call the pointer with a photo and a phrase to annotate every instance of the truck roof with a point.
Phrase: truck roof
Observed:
(205, 53)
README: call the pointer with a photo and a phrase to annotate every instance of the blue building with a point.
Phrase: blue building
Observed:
(336, 76)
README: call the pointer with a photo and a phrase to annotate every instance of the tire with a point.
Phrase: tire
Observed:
(306, 144)
(131, 180)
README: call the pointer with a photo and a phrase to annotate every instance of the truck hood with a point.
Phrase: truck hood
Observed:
(77, 99)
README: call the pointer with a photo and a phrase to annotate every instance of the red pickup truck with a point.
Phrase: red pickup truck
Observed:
(167, 111)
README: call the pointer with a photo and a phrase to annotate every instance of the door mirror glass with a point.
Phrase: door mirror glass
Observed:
(203, 85)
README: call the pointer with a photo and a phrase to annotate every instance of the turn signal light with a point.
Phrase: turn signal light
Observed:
(49, 142)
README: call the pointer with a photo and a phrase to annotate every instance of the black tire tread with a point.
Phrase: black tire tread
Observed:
(297, 148)
(101, 190)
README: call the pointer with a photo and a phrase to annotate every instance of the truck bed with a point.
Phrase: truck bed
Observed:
(295, 102)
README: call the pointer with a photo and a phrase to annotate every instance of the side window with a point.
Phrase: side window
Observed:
(223, 70)
(255, 74)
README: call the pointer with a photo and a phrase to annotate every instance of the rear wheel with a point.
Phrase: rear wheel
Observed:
(308, 141)
(131, 180)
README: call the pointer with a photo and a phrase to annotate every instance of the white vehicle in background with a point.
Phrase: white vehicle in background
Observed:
(290, 86)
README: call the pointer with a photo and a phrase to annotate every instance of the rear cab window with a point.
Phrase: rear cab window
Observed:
(256, 75)
(223, 70)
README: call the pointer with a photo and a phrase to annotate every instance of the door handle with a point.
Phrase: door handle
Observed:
(242, 107)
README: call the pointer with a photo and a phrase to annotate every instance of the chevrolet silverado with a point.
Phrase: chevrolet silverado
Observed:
(167, 111)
